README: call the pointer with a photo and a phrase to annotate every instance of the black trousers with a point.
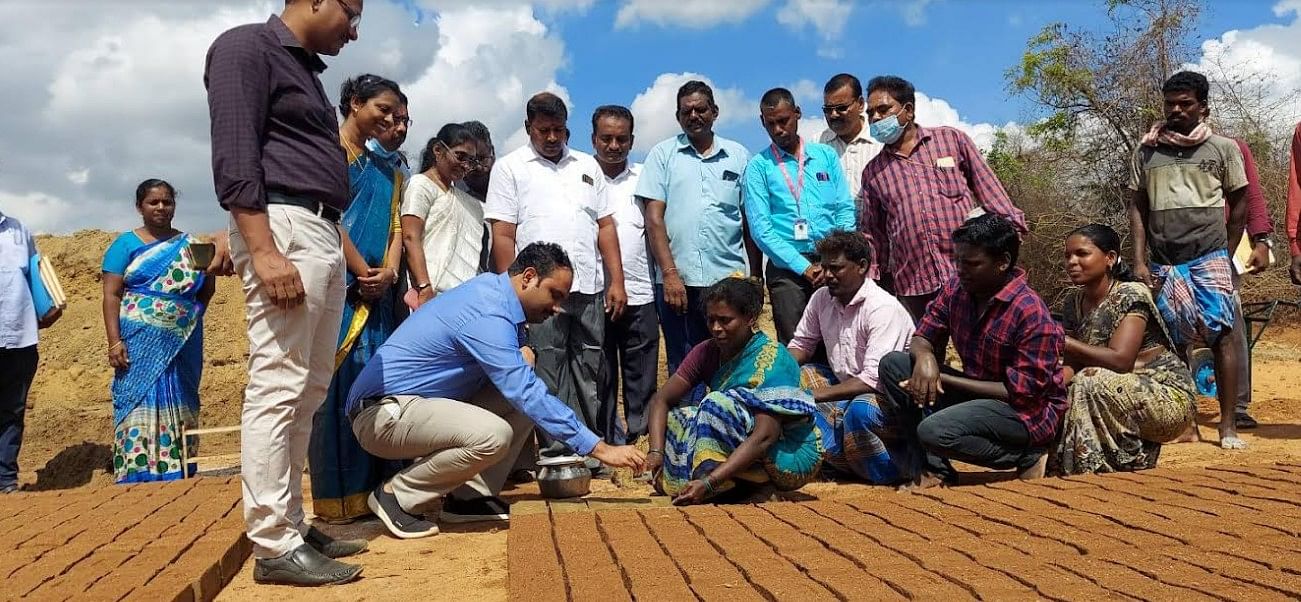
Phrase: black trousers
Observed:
(571, 363)
(789, 293)
(632, 345)
(17, 369)
(983, 432)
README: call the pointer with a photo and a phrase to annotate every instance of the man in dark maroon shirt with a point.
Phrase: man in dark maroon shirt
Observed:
(281, 173)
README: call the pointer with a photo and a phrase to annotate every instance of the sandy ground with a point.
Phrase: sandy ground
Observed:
(69, 427)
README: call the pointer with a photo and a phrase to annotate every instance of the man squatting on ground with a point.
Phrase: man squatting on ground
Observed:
(454, 389)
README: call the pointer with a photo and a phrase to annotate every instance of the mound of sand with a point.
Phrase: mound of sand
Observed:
(70, 402)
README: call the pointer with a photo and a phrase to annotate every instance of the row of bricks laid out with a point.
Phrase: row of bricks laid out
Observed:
(167, 541)
(1201, 534)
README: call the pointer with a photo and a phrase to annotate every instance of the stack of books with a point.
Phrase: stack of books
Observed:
(47, 292)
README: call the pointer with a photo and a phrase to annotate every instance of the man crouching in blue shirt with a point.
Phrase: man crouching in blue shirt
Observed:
(454, 389)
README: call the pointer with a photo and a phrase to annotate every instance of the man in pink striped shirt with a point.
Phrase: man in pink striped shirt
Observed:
(859, 323)
(922, 186)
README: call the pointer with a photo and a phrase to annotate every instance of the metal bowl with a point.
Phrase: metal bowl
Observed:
(564, 477)
(202, 254)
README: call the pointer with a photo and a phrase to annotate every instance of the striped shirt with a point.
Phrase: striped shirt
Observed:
(909, 206)
(1014, 340)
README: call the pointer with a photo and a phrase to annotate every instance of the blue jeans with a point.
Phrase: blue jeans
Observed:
(17, 368)
(683, 331)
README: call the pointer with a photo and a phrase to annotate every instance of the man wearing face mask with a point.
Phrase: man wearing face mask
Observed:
(795, 194)
(919, 190)
(387, 145)
(842, 105)
(632, 341)
(548, 192)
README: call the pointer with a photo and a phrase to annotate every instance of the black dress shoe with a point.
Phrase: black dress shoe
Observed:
(303, 566)
(1244, 421)
(331, 547)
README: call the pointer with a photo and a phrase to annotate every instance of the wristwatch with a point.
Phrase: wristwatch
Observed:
(1265, 238)
(421, 287)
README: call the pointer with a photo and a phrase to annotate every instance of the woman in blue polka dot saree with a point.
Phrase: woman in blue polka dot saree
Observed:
(151, 275)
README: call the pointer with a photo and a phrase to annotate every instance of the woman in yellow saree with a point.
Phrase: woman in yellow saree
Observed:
(343, 474)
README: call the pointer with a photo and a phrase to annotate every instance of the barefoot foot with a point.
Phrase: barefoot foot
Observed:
(1036, 471)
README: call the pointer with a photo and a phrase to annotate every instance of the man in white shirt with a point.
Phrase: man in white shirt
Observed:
(843, 106)
(18, 357)
(632, 341)
(547, 192)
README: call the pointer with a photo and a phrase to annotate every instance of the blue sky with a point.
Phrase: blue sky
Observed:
(104, 96)
(958, 53)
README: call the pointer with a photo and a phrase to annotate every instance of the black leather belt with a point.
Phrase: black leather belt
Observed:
(368, 403)
(320, 209)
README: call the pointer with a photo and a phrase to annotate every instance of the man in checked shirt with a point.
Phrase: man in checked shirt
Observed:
(1003, 409)
(917, 191)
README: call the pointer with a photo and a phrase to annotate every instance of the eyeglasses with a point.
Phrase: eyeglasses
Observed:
(407, 121)
(354, 17)
(467, 161)
(834, 109)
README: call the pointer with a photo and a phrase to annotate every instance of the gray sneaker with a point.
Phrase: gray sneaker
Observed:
(303, 566)
(400, 523)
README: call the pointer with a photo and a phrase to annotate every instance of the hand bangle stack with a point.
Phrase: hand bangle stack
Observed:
(655, 451)
(709, 486)
(114, 346)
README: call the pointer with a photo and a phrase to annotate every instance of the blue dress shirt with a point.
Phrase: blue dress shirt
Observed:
(825, 203)
(702, 206)
(462, 340)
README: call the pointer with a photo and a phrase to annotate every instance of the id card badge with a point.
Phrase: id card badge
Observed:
(801, 229)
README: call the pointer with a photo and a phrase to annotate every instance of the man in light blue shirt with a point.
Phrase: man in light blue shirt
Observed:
(795, 194)
(18, 357)
(691, 186)
(453, 388)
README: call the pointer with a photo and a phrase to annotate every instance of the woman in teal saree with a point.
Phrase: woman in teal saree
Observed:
(154, 298)
(343, 474)
(754, 431)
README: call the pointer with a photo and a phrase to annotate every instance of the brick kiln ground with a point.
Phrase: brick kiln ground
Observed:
(1226, 533)
(176, 541)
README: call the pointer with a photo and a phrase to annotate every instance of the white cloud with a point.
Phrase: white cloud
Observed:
(655, 108)
(693, 15)
(827, 17)
(38, 211)
(1264, 62)
(933, 112)
(914, 12)
(78, 176)
(104, 98)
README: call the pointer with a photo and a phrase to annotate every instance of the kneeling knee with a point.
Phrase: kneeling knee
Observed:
(494, 440)
(936, 433)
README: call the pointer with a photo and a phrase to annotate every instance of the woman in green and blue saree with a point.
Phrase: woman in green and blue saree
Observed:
(154, 298)
(754, 431)
(343, 474)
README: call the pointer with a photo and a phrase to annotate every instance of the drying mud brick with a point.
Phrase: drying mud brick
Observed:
(147, 542)
(1223, 533)
(711, 577)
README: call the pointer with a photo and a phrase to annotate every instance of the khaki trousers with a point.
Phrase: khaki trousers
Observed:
(291, 361)
(466, 448)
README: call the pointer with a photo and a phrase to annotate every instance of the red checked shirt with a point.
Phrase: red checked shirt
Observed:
(1015, 342)
(910, 206)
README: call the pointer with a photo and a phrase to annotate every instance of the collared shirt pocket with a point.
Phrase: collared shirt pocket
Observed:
(950, 180)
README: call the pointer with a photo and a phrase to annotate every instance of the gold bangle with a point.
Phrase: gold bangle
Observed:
(115, 346)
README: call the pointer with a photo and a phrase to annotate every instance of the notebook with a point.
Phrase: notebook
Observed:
(47, 292)
(1243, 254)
